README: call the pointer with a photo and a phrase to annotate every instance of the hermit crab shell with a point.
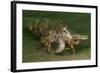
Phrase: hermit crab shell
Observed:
(61, 46)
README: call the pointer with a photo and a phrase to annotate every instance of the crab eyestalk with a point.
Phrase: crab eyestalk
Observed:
(82, 37)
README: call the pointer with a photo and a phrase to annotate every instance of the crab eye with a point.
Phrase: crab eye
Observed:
(64, 31)
(75, 40)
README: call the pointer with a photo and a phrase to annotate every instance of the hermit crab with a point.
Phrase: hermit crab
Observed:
(54, 35)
